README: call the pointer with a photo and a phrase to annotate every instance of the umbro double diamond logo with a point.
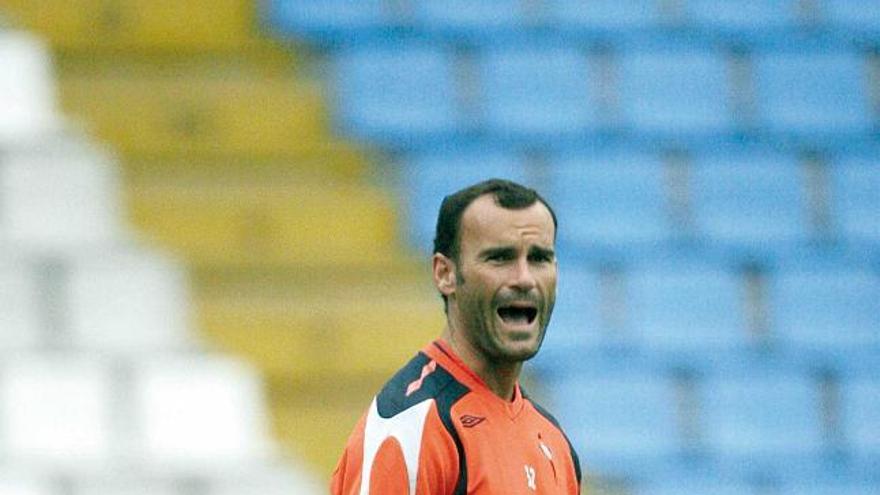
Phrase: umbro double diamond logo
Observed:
(469, 421)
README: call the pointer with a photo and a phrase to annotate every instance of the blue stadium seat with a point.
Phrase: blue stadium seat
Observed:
(429, 176)
(830, 487)
(812, 95)
(605, 17)
(323, 21)
(826, 311)
(762, 424)
(576, 327)
(539, 93)
(691, 312)
(675, 93)
(611, 200)
(479, 20)
(622, 424)
(856, 195)
(854, 19)
(694, 486)
(749, 200)
(860, 416)
(744, 20)
(399, 94)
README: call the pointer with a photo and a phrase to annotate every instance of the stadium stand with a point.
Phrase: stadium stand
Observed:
(713, 166)
(104, 387)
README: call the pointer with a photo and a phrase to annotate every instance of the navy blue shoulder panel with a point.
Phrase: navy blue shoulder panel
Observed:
(546, 414)
(439, 385)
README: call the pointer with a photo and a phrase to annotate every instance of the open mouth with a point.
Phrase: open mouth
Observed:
(518, 315)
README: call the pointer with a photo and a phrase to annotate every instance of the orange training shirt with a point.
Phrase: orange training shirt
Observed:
(437, 429)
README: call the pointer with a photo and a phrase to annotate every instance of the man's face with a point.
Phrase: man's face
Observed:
(506, 279)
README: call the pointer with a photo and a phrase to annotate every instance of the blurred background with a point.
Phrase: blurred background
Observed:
(216, 219)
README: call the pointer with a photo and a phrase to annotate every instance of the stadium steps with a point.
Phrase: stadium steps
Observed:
(230, 162)
(265, 219)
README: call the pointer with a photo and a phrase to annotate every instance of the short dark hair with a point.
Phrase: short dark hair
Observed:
(508, 194)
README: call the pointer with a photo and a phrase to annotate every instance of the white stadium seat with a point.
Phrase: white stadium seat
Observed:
(21, 483)
(127, 301)
(27, 89)
(59, 197)
(198, 414)
(55, 411)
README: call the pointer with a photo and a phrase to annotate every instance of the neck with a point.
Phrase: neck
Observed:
(499, 377)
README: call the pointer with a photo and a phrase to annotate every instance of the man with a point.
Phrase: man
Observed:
(454, 420)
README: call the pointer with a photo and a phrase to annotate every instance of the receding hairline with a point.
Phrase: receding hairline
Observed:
(547, 213)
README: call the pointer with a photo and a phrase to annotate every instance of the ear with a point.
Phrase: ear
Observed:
(443, 270)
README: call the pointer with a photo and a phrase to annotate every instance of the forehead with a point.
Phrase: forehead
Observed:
(486, 223)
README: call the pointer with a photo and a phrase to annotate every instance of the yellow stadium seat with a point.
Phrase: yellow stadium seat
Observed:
(199, 114)
(338, 337)
(271, 223)
(196, 25)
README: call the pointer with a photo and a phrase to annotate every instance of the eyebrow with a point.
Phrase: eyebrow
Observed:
(510, 251)
(547, 252)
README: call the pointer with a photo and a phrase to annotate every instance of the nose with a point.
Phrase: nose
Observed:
(523, 278)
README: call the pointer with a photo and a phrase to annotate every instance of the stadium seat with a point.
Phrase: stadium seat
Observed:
(852, 19)
(200, 114)
(127, 302)
(27, 89)
(691, 313)
(56, 412)
(743, 20)
(428, 177)
(681, 94)
(860, 417)
(323, 21)
(577, 326)
(749, 200)
(399, 95)
(134, 483)
(825, 311)
(706, 485)
(830, 487)
(198, 415)
(606, 18)
(61, 198)
(855, 192)
(623, 425)
(812, 95)
(195, 26)
(266, 481)
(20, 304)
(611, 200)
(18, 483)
(475, 20)
(762, 424)
(538, 93)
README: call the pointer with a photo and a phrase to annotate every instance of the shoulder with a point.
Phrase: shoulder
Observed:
(420, 380)
(543, 412)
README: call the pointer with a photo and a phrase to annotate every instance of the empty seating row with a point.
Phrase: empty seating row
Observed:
(250, 480)
(105, 301)
(708, 485)
(746, 21)
(173, 414)
(757, 201)
(637, 425)
(703, 316)
(420, 93)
